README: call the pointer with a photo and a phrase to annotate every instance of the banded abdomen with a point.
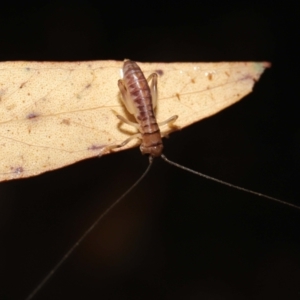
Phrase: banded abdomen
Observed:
(137, 97)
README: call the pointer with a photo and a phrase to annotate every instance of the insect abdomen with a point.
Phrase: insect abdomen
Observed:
(139, 92)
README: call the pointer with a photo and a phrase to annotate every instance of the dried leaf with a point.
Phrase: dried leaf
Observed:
(55, 114)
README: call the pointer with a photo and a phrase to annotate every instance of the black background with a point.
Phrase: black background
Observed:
(176, 236)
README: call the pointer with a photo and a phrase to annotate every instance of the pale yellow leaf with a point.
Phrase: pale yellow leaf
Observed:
(54, 114)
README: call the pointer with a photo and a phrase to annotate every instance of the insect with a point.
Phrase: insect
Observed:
(138, 135)
(141, 100)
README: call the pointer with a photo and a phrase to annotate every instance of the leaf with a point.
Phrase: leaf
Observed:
(55, 114)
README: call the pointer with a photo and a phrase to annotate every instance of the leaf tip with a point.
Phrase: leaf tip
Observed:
(261, 66)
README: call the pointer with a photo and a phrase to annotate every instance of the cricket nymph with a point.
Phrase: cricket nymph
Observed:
(140, 100)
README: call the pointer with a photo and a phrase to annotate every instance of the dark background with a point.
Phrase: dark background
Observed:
(176, 236)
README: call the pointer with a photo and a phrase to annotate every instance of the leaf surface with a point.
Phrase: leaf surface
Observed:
(57, 113)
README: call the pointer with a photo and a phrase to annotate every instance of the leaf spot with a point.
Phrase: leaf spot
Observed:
(209, 75)
(96, 147)
(17, 170)
(66, 121)
(32, 116)
(159, 72)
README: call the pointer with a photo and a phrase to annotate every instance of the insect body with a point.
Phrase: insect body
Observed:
(140, 99)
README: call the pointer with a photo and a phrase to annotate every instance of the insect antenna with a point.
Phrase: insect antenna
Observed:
(228, 184)
(85, 234)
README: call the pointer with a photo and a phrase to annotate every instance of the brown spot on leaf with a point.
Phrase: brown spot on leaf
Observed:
(209, 76)
(66, 121)
(159, 72)
(22, 85)
(96, 147)
(247, 77)
(193, 80)
(10, 107)
(32, 116)
(178, 96)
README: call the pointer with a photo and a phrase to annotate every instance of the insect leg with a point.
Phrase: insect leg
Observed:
(137, 135)
(125, 97)
(136, 125)
(169, 121)
(153, 88)
(111, 147)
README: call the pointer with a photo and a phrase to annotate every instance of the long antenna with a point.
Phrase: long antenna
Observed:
(57, 266)
(227, 183)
